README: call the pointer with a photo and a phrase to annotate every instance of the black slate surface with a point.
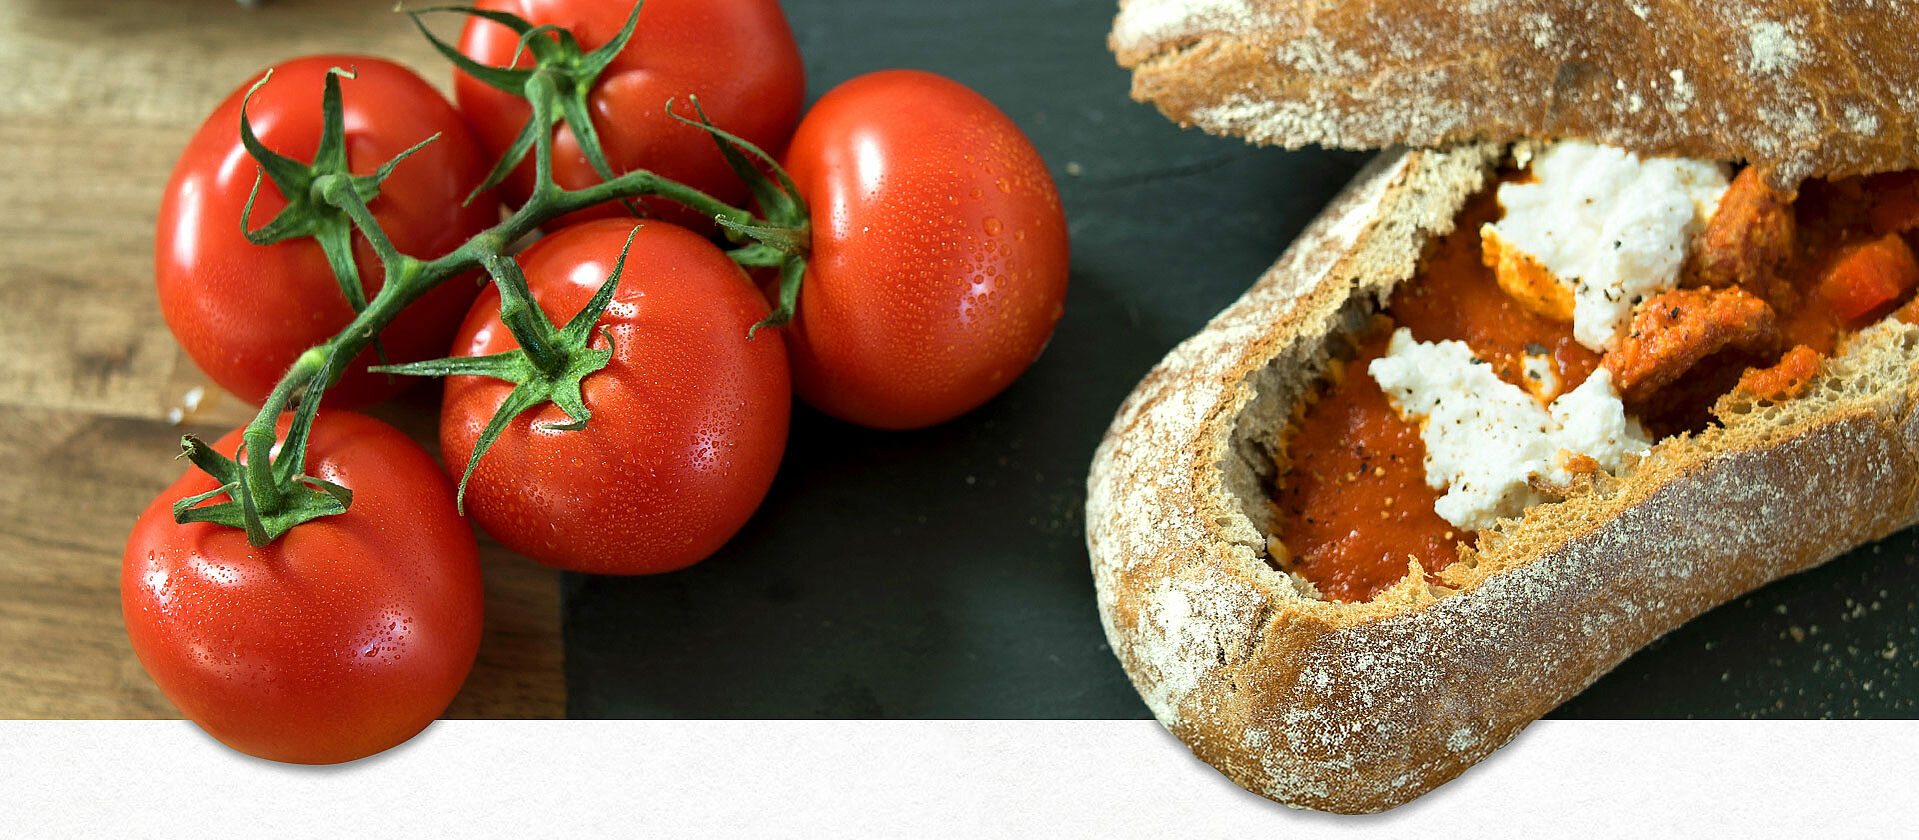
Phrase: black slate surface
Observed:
(943, 573)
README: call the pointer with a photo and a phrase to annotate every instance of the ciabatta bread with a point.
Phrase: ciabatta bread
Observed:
(1357, 707)
(1363, 706)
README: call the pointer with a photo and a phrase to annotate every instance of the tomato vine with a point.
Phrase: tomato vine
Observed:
(268, 493)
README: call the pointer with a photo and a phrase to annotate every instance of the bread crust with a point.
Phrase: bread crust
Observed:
(1800, 88)
(1357, 708)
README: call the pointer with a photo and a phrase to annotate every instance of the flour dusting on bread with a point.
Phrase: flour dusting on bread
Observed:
(1765, 81)
(1773, 47)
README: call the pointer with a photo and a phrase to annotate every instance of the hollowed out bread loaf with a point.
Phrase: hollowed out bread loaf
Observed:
(1798, 88)
(1360, 707)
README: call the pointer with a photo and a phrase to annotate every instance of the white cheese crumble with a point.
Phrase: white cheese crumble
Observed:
(1613, 229)
(1542, 376)
(1487, 438)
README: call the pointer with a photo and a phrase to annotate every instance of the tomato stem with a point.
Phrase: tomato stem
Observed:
(784, 238)
(550, 365)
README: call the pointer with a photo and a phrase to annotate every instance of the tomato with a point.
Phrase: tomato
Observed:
(737, 56)
(939, 257)
(344, 637)
(245, 312)
(688, 418)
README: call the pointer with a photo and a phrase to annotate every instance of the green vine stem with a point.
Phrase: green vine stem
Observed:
(268, 494)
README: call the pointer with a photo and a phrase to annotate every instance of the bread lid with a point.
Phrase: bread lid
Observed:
(1801, 89)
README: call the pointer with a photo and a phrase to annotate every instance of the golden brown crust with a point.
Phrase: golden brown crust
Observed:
(1361, 707)
(1800, 88)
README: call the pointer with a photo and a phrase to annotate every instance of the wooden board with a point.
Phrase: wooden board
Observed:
(102, 95)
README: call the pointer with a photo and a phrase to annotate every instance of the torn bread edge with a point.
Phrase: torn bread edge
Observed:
(1356, 708)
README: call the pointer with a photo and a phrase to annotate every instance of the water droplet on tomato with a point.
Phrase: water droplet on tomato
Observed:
(992, 226)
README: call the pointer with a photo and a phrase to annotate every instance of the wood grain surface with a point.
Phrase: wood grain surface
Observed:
(101, 96)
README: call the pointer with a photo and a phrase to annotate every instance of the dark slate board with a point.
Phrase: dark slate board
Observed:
(943, 573)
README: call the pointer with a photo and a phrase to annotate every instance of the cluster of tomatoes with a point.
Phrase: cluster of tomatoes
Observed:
(935, 273)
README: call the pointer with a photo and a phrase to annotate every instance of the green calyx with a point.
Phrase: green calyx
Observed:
(548, 366)
(557, 84)
(306, 499)
(307, 212)
(266, 496)
(782, 236)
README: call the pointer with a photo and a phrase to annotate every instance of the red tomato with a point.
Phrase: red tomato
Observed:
(689, 417)
(939, 254)
(245, 312)
(737, 56)
(344, 637)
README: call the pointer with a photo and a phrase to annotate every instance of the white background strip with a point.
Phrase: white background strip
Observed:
(932, 779)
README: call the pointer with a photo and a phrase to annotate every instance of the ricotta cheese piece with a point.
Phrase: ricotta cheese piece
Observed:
(1542, 376)
(1610, 227)
(1486, 439)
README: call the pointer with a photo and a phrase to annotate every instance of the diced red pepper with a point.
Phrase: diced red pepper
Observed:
(1786, 379)
(1869, 276)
